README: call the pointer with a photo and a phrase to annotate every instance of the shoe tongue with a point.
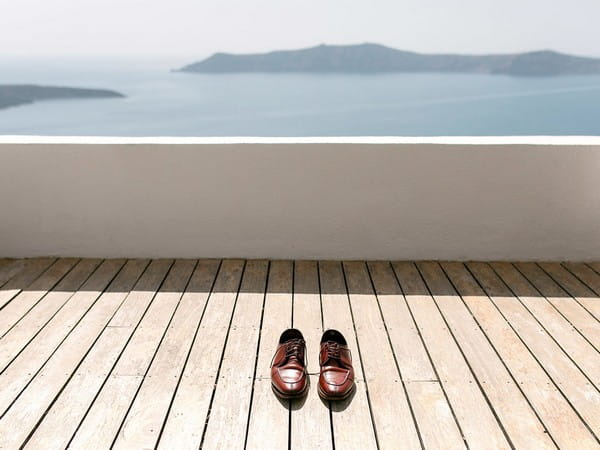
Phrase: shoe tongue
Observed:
(333, 362)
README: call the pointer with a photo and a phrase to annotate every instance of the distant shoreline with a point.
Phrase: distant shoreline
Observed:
(12, 95)
(375, 58)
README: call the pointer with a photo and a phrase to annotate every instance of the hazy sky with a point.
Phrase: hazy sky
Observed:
(192, 29)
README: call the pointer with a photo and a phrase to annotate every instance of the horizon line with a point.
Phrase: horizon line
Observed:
(164, 56)
(537, 140)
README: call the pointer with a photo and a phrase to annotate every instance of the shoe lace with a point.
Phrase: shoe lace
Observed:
(293, 348)
(333, 350)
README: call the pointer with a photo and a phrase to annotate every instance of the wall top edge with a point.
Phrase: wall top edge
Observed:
(449, 140)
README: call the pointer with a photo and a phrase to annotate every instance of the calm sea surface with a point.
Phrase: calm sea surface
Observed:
(160, 102)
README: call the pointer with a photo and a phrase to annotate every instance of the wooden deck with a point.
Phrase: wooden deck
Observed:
(175, 354)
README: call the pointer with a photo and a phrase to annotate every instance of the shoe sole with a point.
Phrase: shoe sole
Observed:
(335, 398)
(283, 396)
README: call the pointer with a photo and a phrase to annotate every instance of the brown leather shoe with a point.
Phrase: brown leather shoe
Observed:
(336, 381)
(289, 378)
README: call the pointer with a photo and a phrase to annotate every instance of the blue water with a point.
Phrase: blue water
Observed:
(160, 102)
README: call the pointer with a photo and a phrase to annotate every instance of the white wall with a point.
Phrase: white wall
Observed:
(474, 198)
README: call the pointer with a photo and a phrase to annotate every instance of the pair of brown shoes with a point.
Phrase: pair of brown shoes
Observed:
(289, 377)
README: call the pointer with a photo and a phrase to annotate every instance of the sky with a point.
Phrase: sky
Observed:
(188, 30)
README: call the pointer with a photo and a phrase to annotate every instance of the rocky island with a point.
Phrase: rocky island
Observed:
(20, 94)
(375, 58)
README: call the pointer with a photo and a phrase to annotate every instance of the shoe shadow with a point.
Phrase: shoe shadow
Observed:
(285, 403)
(297, 403)
(340, 405)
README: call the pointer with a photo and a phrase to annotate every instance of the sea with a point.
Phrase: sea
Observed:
(161, 102)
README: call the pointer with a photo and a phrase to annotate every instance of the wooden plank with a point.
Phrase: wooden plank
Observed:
(229, 411)
(150, 309)
(408, 346)
(437, 426)
(477, 421)
(146, 415)
(10, 268)
(262, 433)
(19, 336)
(277, 314)
(586, 274)
(270, 417)
(547, 392)
(59, 423)
(26, 365)
(351, 418)
(111, 398)
(585, 296)
(140, 350)
(117, 397)
(184, 425)
(561, 421)
(510, 405)
(33, 268)
(573, 343)
(392, 414)
(435, 420)
(27, 299)
(157, 312)
(28, 408)
(584, 397)
(310, 418)
(62, 419)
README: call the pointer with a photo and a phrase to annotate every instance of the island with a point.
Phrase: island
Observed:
(375, 58)
(20, 94)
